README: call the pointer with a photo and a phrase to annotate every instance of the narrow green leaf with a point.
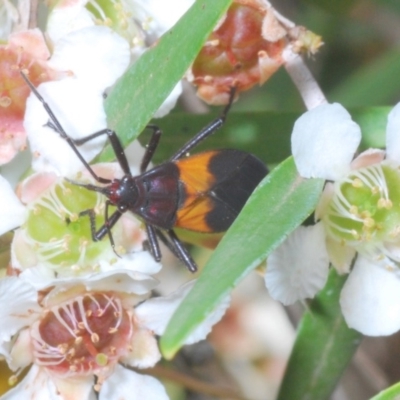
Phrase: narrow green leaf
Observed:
(323, 347)
(391, 393)
(144, 87)
(281, 202)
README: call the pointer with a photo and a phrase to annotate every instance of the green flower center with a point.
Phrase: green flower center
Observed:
(364, 211)
(117, 15)
(59, 235)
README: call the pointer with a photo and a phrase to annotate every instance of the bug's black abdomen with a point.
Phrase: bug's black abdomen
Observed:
(160, 195)
(237, 174)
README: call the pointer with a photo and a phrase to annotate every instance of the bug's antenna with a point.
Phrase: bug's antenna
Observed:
(54, 122)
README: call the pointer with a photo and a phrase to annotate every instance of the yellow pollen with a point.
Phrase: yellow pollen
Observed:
(37, 210)
(365, 214)
(62, 348)
(101, 359)
(89, 313)
(12, 380)
(357, 183)
(353, 210)
(112, 330)
(385, 203)
(355, 234)
(121, 250)
(375, 189)
(369, 223)
(81, 325)
(78, 340)
(71, 352)
(100, 312)
(73, 217)
(5, 101)
(94, 337)
(97, 387)
(66, 190)
(214, 43)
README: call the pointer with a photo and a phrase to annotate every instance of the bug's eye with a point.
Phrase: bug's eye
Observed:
(122, 207)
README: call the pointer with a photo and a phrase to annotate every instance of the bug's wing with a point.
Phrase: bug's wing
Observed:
(217, 184)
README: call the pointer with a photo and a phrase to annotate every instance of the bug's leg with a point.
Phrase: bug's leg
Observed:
(211, 128)
(105, 229)
(115, 144)
(178, 249)
(151, 147)
(154, 247)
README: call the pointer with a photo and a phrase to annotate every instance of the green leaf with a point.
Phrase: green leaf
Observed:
(323, 347)
(147, 83)
(391, 393)
(281, 202)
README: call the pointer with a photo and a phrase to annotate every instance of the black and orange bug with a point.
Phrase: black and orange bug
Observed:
(204, 192)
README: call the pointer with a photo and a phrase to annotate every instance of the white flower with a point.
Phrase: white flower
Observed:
(95, 58)
(53, 241)
(359, 212)
(140, 23)
(81, 330)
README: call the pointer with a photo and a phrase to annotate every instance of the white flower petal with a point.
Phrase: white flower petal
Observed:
(36, 385)
(21, 354)
(163, 15)
(80, 112)
(340, 255)
(127, 385)
(370, 298)
(116, 280)
(299, 267)
(169, 102)
(155, 313)
(70, 16)
(96, 55)
(75, 388)
(40, 276)
(138, 261)
(393, 134)
(12, 211)
(367, 158)
(143, 350)
(324, 141)
(22, 307)
(121, 281)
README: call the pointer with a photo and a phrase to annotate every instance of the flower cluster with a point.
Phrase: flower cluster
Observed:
(82, 314)
(358, 228)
